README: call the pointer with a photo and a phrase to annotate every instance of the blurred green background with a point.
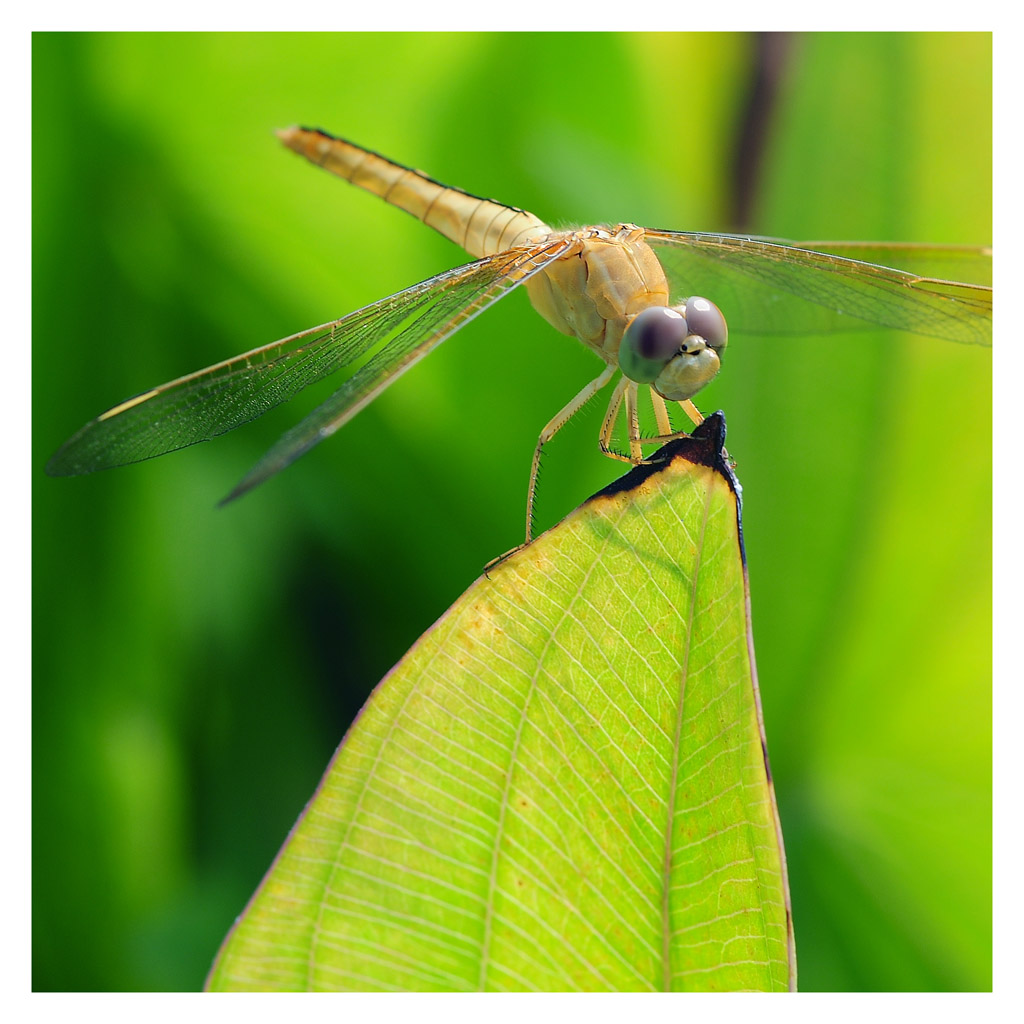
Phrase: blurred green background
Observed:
(194, 668)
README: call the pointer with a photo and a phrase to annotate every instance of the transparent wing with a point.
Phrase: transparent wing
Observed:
(769, 287)
(967, 263)
(391, 334)
(511, 268)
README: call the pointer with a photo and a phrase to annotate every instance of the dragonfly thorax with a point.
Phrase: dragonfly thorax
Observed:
(599, 285)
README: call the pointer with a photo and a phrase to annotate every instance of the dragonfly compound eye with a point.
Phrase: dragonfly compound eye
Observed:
(650, 341)
(705, 320)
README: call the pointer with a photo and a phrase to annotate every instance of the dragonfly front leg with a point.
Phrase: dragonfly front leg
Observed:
(627, 390)
(608, 427)
(665, 431)
(636, 452)
(691, 411)
(661, 414)
(554, 425)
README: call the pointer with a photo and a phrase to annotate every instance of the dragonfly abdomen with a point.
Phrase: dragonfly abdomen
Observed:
(481, 226)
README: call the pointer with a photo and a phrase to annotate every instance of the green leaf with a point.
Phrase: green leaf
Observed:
(562, 786)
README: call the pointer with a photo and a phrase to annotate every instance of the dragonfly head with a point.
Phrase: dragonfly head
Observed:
(676, 349)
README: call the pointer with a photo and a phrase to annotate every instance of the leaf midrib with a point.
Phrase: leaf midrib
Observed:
(666, 932)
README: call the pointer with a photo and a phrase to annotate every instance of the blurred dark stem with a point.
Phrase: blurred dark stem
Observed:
(770, 57)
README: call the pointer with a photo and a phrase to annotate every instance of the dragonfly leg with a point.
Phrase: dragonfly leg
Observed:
(665, 431)
(692, 412)
(661, 414)
(554, 425)
(605, 439)
(636, 454)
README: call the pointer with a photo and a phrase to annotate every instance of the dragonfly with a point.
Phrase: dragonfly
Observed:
(657, 306)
